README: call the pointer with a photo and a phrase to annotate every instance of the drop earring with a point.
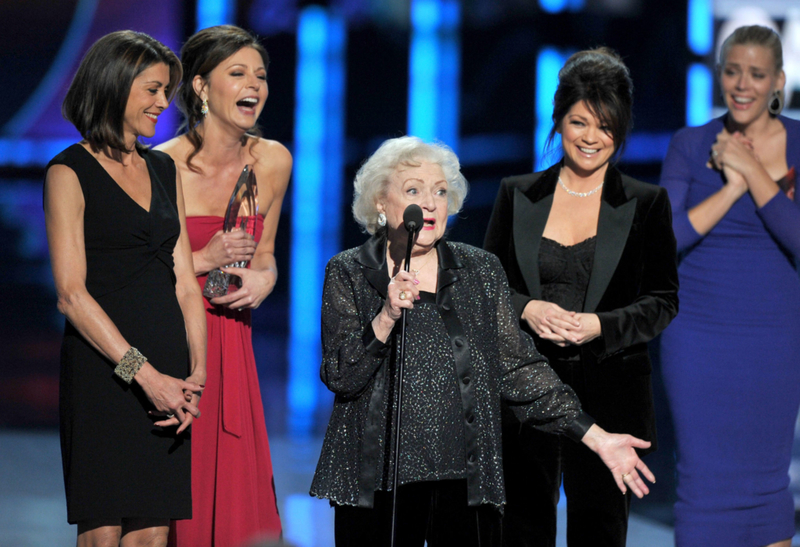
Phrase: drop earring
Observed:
(381, 220)
(204, 108)
(776, 103)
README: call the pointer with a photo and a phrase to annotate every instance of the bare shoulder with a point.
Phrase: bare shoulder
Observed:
(62, 191)
(273, 163)
(177, 148)
(271, 157)
(61, 178)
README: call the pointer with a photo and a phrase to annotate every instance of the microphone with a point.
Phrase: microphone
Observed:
(412, 218)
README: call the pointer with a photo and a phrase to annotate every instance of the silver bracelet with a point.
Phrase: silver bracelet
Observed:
(130, 364)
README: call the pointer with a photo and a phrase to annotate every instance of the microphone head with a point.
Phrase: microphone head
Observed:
(412, 218)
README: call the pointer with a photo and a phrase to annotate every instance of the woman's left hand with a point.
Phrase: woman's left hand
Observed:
(735, 151)
(191, 397)
(256, 286)
(588, 328)
(617, 452)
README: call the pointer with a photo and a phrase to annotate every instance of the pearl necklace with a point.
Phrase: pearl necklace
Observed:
(578, 194)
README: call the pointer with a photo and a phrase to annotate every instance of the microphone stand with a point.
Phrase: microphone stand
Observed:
(396, 479)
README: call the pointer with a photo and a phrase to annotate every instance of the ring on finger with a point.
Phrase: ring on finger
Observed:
(714, 153)
(170, 415)
(402, 295)
(625, 475)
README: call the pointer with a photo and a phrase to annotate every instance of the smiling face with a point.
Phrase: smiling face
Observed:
(147, 99)
(236, 89)
(748, 79)
(424, 185)
(587, 143)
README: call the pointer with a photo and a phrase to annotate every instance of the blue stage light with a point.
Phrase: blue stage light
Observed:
(548, 63)
(316, 199)
(434, 71)
(699, 94)
(557, 6)
(210, 13)
(700, 25)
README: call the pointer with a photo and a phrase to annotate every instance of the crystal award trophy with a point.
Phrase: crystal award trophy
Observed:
(240, 215)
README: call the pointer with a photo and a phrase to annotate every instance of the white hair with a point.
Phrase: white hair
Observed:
(373, 177)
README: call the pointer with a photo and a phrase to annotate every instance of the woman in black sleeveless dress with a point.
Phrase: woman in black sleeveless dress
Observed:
(122, 268)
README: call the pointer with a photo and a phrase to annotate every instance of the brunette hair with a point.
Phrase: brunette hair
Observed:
(201, 54)
(753, 35)
(599, 78)
(98, 95)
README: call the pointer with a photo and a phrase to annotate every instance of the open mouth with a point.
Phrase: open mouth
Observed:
(152, 117)
(428, 223)
(742, 100)
(588, 150)
(247, 102)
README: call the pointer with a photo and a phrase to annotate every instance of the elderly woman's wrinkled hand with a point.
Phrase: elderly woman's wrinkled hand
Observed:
(617, 452)
(401, 294)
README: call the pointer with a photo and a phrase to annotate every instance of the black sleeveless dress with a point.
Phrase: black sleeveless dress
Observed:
(117, 464)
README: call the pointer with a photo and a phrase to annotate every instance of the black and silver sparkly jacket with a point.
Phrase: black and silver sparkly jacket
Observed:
(494, 360)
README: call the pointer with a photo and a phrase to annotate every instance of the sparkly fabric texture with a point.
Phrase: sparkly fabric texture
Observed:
(432, 440)
(494, 361)
(130, 364)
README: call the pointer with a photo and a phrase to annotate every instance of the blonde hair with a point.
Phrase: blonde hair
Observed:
(754, 35)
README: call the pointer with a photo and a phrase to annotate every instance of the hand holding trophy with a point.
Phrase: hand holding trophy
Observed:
(239, 215)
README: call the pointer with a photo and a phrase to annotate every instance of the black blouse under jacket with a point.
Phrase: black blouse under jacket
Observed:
(494, 361)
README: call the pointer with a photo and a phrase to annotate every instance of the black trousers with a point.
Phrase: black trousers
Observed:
(533, 463)
(435, 512)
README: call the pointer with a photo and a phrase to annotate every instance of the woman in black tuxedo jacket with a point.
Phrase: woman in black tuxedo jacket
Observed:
(590, 257)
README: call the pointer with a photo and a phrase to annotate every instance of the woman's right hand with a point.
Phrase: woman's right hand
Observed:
(543, 317)
(729, 154)
(168, 394)
(401, 294)
(226, 248)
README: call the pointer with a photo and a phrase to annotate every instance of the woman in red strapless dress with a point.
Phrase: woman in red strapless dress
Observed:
(223, 93)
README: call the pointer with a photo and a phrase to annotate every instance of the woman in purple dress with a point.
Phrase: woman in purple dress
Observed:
(731, 359)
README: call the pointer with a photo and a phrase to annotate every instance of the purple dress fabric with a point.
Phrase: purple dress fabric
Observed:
(731, 358)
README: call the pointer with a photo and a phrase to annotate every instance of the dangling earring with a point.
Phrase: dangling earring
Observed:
(381, 220)
(776, 103)
(204, 108)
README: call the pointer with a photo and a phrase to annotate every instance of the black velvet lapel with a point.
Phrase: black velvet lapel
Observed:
(533, 205)
(613, 226)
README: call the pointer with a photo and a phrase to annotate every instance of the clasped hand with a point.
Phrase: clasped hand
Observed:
(551, 322)
(171, 396)
(733, 154)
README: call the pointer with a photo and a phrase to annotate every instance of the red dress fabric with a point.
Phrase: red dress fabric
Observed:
(233, 494)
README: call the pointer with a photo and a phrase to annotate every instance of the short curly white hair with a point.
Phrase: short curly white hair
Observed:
(373, 177)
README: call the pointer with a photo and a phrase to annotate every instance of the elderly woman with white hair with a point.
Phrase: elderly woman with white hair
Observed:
(464, 354)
